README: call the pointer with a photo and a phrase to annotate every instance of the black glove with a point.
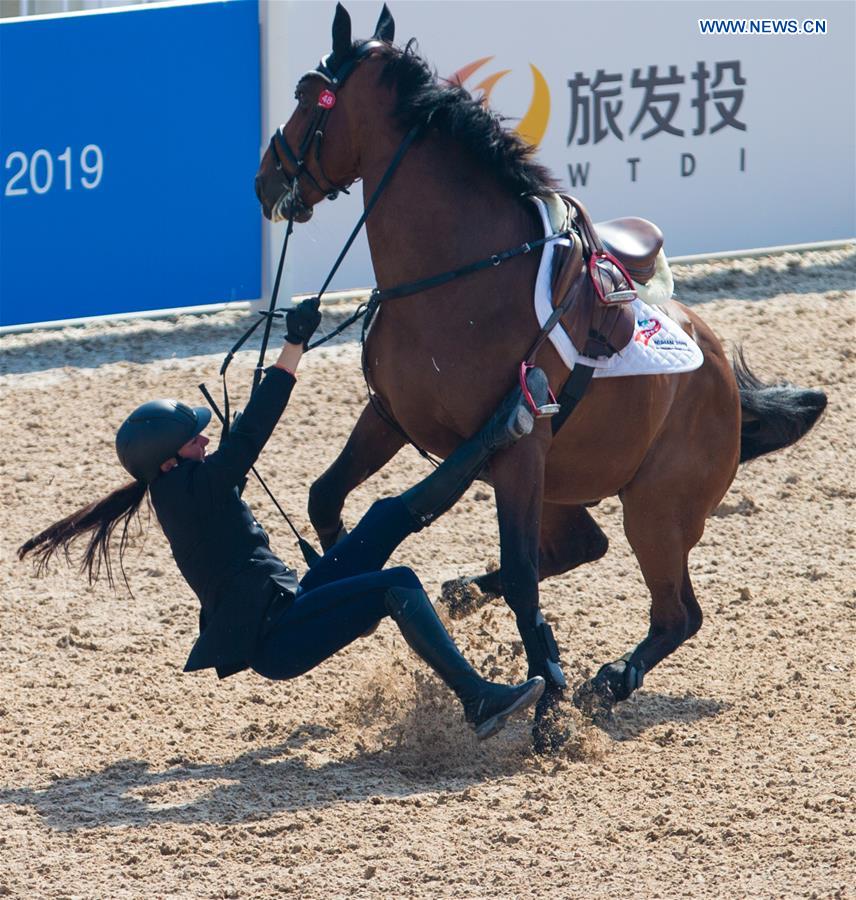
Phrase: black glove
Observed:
(302, 320)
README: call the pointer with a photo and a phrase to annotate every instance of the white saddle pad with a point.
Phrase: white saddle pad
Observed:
(659, 346)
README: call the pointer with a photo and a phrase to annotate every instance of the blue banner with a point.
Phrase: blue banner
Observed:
(129, 141)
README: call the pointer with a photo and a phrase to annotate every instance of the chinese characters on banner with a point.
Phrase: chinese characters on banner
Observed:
(653, 100)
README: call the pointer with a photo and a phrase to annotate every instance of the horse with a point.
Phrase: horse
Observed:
(439, 360)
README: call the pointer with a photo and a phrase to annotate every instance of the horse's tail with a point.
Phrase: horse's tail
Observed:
(773, 416)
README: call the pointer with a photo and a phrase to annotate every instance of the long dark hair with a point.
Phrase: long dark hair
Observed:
(101, 519)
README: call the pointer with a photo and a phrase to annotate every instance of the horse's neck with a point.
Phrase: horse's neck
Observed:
(439, 211)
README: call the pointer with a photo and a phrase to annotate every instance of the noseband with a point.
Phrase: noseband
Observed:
(314, 134)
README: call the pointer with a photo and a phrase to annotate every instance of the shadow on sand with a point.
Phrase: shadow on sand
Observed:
(279, 778)
(268, 780)
(647, 710)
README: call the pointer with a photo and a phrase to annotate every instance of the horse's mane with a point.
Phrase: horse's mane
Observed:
(422, 98)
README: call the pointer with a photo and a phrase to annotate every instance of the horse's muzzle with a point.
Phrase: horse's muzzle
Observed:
(290, 198)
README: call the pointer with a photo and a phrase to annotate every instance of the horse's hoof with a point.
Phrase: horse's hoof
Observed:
(462, 597)
(549, 732)
(613, 683)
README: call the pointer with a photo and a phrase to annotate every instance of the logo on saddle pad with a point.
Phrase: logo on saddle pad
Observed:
(533, 124)
(647, 329)
(651, 331)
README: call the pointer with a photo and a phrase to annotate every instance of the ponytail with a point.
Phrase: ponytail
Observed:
(100, 518)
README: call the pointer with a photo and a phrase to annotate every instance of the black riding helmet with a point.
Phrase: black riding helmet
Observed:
(154, 433)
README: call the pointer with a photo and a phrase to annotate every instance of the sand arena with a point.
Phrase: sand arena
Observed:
(729, 774)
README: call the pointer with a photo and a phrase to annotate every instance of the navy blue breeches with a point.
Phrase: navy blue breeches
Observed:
(341, 597)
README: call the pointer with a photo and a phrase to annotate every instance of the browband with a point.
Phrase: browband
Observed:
(338, 74)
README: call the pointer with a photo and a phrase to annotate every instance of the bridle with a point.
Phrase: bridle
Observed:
(334, 78)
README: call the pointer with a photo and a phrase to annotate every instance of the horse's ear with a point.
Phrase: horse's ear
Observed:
(341, 32)
(385, 28)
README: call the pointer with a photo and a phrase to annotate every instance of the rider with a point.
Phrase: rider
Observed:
(255, 613)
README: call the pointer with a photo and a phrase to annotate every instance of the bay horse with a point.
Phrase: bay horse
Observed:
(439, 361)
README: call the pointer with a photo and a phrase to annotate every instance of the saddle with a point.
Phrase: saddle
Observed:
(598, 317)
(635, 242)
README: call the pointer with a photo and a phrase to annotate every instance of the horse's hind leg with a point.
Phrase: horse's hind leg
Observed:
(661, 546)
(370, 447)
(569, 538)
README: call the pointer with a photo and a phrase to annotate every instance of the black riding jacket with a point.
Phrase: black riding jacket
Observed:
(219, 547)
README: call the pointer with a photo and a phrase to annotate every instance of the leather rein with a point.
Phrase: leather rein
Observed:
(334, 79)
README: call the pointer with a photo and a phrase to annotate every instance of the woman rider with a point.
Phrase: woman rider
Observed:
(255, 614)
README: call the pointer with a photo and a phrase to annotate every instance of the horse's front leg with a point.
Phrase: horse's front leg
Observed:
(370, 447)
(518, 478)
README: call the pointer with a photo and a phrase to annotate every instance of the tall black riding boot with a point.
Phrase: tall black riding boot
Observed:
(445, 485)
(487, 706)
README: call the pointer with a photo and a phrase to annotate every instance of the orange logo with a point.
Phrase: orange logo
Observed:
(534, 123)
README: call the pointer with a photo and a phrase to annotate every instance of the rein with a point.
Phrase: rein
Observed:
(314, 134)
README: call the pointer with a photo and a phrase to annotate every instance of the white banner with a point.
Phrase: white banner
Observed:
(727, 141)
